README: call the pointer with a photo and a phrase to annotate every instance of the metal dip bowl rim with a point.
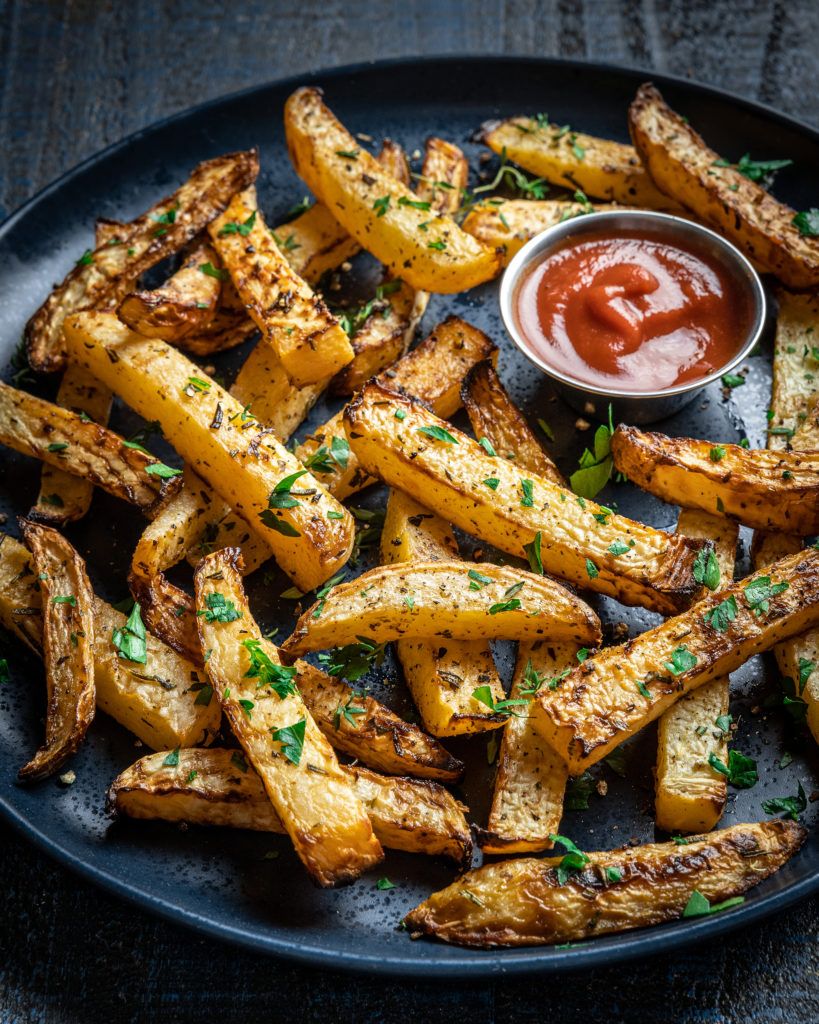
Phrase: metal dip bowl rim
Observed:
(625, 219)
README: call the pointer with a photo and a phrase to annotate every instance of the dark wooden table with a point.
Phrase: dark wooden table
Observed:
(77, 75)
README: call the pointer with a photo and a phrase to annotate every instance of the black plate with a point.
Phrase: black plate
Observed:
(220, 881)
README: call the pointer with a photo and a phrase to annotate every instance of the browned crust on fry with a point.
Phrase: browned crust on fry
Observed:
(522, 903)
(103, 281)
(763, 489)
(684, 167)
(32, 426)
(663, 581)
(494, 415)
(68, 647)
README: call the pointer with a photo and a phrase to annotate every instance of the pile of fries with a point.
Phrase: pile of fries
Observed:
(245, 733)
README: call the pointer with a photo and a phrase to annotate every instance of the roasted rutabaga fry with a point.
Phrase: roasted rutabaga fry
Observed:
(384, 336)
(527, 802)
(684, 167)
(442, 675)
(314, 241)
(508, 224)
(425, 249)
(398, 440)
(307, 338)
(795, 366)
(219, 787)
(689, 795)
(103, 277)
(530, 902)
(798, 657)
(618, 691)
(64, 439)
(314, 799)
(309, 532)
(494, 416)
(446, 599)
(67, 617)
(598, 167)
(762, 489)
(184, 304)
(153, 692)
(65, 498)
(361, 727)
(432, 372)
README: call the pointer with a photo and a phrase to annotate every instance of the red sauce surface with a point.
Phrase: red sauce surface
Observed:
(632, 312)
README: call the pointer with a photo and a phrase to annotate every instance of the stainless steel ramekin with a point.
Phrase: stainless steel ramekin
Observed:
(632, 406)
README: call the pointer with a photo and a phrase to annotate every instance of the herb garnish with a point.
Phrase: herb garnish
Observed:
(130, 640)
(291, 738)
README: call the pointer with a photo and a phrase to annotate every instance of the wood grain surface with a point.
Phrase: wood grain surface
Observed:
(76, 76)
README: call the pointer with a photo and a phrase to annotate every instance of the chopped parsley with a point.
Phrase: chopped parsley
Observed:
(291, 738)
(381, 206)
(699, 905)
(487, 446)
(209, 270)
(682, 660)
(732, 380)
(130, 640)
(759, 591)
(721, 617)
(437, 433)
(792, 806)
(706, 568)
(243, 229)
(220, 609)
(527, 499)
(325, 459)
(740, 770)
(591, 569)
(807, 223)
(533, 553)
(483, 694)
(595, 467)
(717, 453)
(162, 471)
(353, 660)
(172, 759)
(477, 580)
(281, 679)
(574, 860)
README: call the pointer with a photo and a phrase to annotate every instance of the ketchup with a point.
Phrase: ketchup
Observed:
(633, 312)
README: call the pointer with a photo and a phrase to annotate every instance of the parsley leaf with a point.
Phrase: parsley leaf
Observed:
(477, 580)
(595, 467)
(573, 861)
(172, 759)
(130, 640)
(220, 609)
(162, 471)
(243, 229)
(792, 806)
(438, 433)
(591, 569)
(732, 380)
(759, 591)
(721, 617)
(533, 553)
(487, 446)
(682, 660)
(699, 906)
(740, 770)
(483, 694)
(807, 223)
(280, 678)
(291, 738)
(706, 568)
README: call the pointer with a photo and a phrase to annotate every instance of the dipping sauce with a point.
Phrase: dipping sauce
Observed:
(633, 312)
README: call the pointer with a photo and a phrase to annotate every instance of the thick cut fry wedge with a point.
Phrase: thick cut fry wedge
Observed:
(361, 727)
(614, 694)
(795, 369)
(684, 167)
(65, 440)
(313, 798)
(527, 802)
(164, 701)
(442, 675)
(522, 903)
(598, 167)
(65, 498)
(218, 787)
(494, 415)
(397, 439)
(762, 489)
(376, 209)
(508, 224)
(315, 242)
(103, 277)
(798, 657)
(183, 305)
(240, 459)
(67, 604)
(384, 336)
(444, 175)
(306, 337)
(446, 599)
(689, 795)
(432, 372)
